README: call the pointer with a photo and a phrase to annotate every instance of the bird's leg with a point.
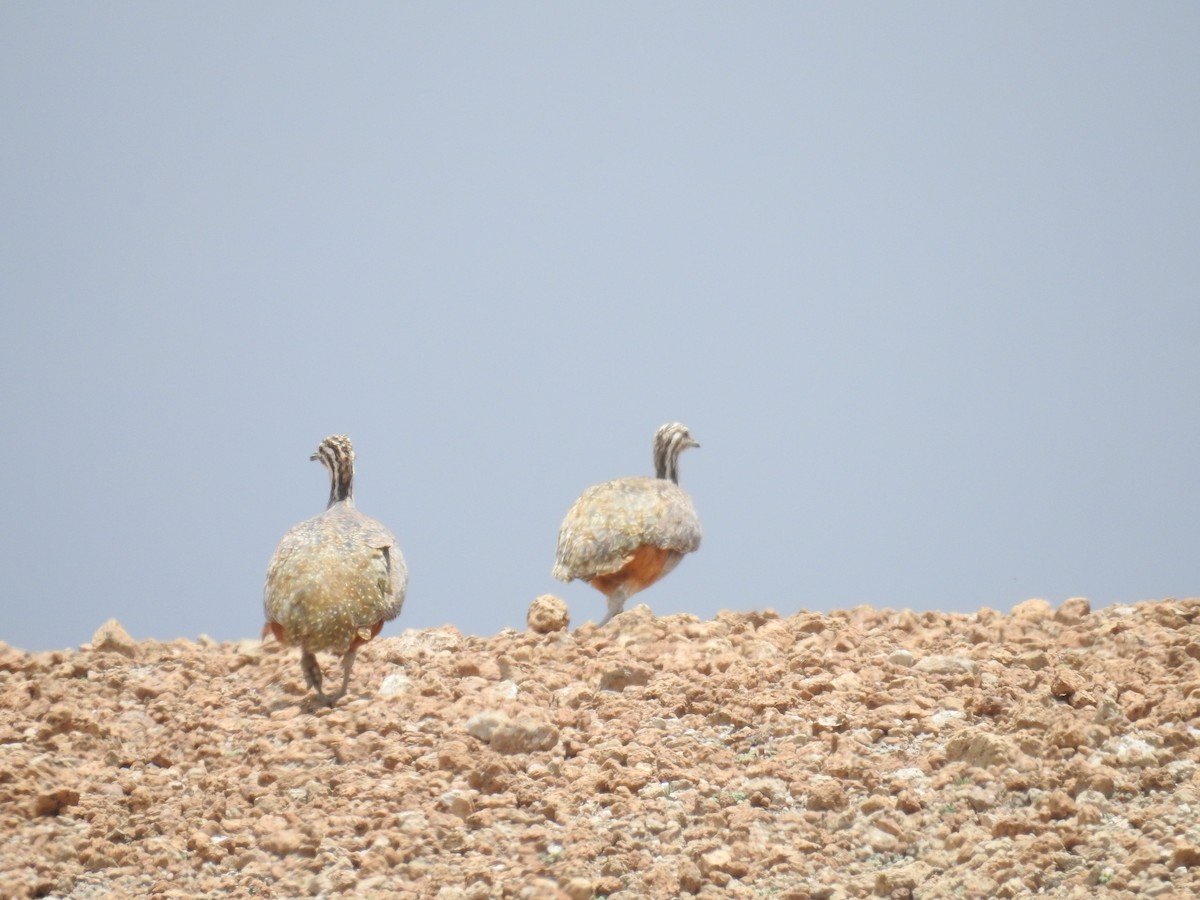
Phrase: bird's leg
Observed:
(616, 604)
(312, 672)
(347, 665)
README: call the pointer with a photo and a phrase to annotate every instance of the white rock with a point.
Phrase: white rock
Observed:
(395, 683)
(1131, 751)
(412, 821)
(947, 665)
(484, 724)
(901, 657)
(880, 841)
(944, 716)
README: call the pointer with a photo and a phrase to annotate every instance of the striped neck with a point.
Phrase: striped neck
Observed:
(669, 442)
(336, 454)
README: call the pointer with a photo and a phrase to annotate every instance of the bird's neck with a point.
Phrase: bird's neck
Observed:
(666, 465)
(341, 489)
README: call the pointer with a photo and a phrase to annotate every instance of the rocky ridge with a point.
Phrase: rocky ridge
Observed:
(864, 753)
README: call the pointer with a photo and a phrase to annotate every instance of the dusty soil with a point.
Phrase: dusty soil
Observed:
(864, 753)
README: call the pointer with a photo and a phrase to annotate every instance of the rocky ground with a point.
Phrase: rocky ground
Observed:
(859, 754)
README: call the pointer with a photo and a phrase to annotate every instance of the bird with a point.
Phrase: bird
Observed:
(335, 578)
(622, 536)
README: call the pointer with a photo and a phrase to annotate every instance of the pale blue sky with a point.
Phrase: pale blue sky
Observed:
(921, 278)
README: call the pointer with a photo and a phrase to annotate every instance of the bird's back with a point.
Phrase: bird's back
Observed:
(332, 577)
(606, 526)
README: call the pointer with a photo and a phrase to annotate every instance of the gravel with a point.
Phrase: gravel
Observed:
(865, 753)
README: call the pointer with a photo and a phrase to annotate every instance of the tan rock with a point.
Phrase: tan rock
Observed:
(1066, 683)
(112, 638)
(1185, 853)
(618, 676)
(523, 736)
(1059, 805)
(547, 614)
(1072, 611)
(579, 889)
(978, 748)
(53, 802)
(286, 841)
(827, 794)
(1033, 610)
(1034, 659)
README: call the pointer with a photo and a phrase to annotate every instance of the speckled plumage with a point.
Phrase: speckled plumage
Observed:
(335, 578)
(623, 535)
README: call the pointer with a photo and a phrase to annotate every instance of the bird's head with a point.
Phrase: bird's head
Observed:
(669, 441)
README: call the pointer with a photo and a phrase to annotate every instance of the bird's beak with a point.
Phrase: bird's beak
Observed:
(313, 458)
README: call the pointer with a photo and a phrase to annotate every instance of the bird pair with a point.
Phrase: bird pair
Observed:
(337, 577)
